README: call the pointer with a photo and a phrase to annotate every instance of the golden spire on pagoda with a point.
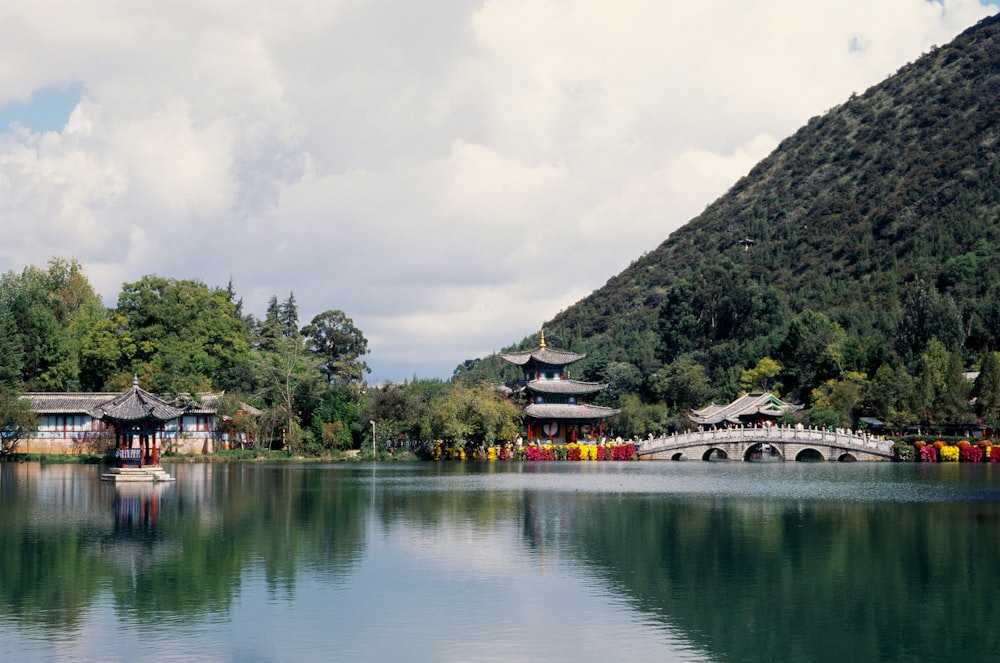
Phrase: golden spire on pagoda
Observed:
(542, 346)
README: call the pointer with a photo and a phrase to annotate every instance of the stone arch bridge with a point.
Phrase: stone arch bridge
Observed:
(774, 443)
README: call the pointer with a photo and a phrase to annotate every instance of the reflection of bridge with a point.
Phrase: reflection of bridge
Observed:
(772, 443)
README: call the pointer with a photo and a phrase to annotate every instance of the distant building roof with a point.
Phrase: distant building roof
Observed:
(744, 409)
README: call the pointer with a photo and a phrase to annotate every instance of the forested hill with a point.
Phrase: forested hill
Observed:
(880, 216)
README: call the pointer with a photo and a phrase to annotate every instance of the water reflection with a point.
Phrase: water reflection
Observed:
(691, 561)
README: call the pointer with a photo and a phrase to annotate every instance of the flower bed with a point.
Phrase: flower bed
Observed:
(577, 452)
(969, 454)
(952, 451)
(949, 454)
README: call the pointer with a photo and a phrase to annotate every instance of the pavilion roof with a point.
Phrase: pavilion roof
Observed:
(136, 405)
(745, 407)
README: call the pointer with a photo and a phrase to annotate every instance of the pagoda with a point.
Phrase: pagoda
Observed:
(557, 409)
(137, 416)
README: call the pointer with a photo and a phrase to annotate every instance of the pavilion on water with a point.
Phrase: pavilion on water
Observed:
(137, 416)
(557, 410)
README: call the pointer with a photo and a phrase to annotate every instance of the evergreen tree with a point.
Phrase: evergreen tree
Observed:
(288, 317)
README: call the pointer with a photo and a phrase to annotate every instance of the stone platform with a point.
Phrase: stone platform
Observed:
(136, 474)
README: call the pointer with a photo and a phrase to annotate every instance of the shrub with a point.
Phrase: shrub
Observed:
(969, 454)
(904, 452)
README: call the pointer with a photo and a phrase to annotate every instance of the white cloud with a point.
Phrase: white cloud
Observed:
(450, 174)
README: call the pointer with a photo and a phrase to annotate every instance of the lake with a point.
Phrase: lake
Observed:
(545, 561)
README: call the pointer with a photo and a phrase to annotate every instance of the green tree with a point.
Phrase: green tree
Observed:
(640, 419)
(10, 352)
(682, 384)
(887, 394)
(926, 314)
(986, 388)
(339, 345)
(762, 377)
(106, 354)
(473, 416)
(621, 378)
(288, 317)
(16, 419)
(52, 309)
(940, 391)
(843, 396)
(290, 386)
(337, 418)
(811, 353)
(185, 333)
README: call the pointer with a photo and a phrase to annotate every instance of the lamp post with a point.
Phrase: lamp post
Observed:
(372, 422)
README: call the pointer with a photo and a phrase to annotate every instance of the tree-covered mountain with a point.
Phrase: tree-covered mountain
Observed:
(858, 262)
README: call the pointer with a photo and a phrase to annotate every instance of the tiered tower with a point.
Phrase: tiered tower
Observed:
(557, 409)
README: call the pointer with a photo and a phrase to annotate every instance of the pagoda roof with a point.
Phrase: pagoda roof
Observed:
(570, 387)
(136, 405)
(563, 411)
(745, 407)
(542, 355)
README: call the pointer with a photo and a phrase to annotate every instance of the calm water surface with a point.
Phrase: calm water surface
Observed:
(503, 562)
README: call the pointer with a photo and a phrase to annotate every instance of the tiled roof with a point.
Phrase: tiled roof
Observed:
(66, 403)
(90, 402)
(749, 405)
(573, 412)
(572, 387)
(136, 404)
(542, 356)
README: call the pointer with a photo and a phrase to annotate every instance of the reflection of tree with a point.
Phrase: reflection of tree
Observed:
(819, 582)
(48, 573)
(189, 560)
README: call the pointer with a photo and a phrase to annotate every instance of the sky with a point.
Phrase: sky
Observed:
(449, 173)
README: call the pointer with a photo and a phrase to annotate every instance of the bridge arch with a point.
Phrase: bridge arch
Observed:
(847, 457)
(715, 453)
(762, 452)
(809, 455)
(679, 456)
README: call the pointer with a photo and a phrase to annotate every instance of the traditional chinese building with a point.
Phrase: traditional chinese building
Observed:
(557, 409)
(137, 418)
(747, 410)
(82, 422)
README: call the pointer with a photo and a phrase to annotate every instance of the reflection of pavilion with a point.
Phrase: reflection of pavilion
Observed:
(136, 416)
(136, 506)
(135, 542)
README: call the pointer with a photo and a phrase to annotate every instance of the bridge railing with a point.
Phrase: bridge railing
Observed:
(797, 434)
